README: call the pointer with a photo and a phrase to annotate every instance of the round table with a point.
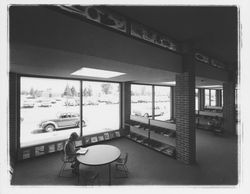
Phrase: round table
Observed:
(100, 155)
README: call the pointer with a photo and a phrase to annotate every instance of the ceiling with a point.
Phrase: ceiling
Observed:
(212, 30)
(56, 63)
(31, 60)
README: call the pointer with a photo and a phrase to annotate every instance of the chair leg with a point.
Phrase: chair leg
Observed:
(89, 178)
(94, 179)
(123, 169)
(61, 170)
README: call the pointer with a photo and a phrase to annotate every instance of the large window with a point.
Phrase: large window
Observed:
(210, 97)
(141, 100)
(213, 97)
(49, 110)
(162, 103)
(196, 99)
(142, 105)
(207, 97)
(101, 106)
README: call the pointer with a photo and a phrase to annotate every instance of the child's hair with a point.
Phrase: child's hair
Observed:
(73, 136)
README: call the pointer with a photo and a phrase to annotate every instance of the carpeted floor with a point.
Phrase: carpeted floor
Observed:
(216, 165)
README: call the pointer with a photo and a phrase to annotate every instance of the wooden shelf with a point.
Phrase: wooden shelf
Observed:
(162, 138)
(157, 142)
(139, 131)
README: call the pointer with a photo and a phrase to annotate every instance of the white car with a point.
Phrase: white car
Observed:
(72, 102)
(146, 111)
(28, 104)
(45, 103)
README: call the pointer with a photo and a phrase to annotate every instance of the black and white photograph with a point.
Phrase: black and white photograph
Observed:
(123, 96)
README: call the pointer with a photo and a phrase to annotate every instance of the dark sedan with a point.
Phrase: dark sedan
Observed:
(63, 121)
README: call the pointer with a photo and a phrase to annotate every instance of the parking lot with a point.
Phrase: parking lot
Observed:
(98, 118)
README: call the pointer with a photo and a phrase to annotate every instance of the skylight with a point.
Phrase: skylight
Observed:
(91, 72)
(211, 86)
(169, 83)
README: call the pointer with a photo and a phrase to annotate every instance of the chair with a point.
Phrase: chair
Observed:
(89, 177)
(121, 167)
(218, 126)
(65, 161)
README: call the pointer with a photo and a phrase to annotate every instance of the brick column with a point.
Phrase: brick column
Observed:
(229, 108)
(185, 111)
(185, 118)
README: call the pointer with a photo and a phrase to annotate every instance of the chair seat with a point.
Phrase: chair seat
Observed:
(121, 167)
(120, 160)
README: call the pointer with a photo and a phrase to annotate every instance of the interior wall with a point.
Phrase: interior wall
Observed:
(14, 85)
(206, 71)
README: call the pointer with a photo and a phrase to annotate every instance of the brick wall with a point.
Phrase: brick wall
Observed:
(185, 118)
(229, 108)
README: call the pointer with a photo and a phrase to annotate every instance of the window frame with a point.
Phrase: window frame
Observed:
(216, 99)
(18, 108)
(171, 100)
(153, 97)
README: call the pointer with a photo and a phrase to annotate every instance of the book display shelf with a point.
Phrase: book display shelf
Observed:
(157, 135)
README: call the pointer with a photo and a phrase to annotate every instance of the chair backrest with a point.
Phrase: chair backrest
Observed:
(63, 153)
(126, 158)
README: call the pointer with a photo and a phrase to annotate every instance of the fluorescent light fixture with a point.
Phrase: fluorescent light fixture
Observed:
(91, 72)
(169, 83)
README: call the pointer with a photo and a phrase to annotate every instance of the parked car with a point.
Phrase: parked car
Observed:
(90, 102)
(72, 102)
(109, 99)
(144, 111)
(53, 101)
(28, 104)
(45, 103)
(63, 120)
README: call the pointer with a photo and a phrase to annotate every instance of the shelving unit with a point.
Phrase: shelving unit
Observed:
(153, 134)
(210, 120)
(163, 138)
(214, 108)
